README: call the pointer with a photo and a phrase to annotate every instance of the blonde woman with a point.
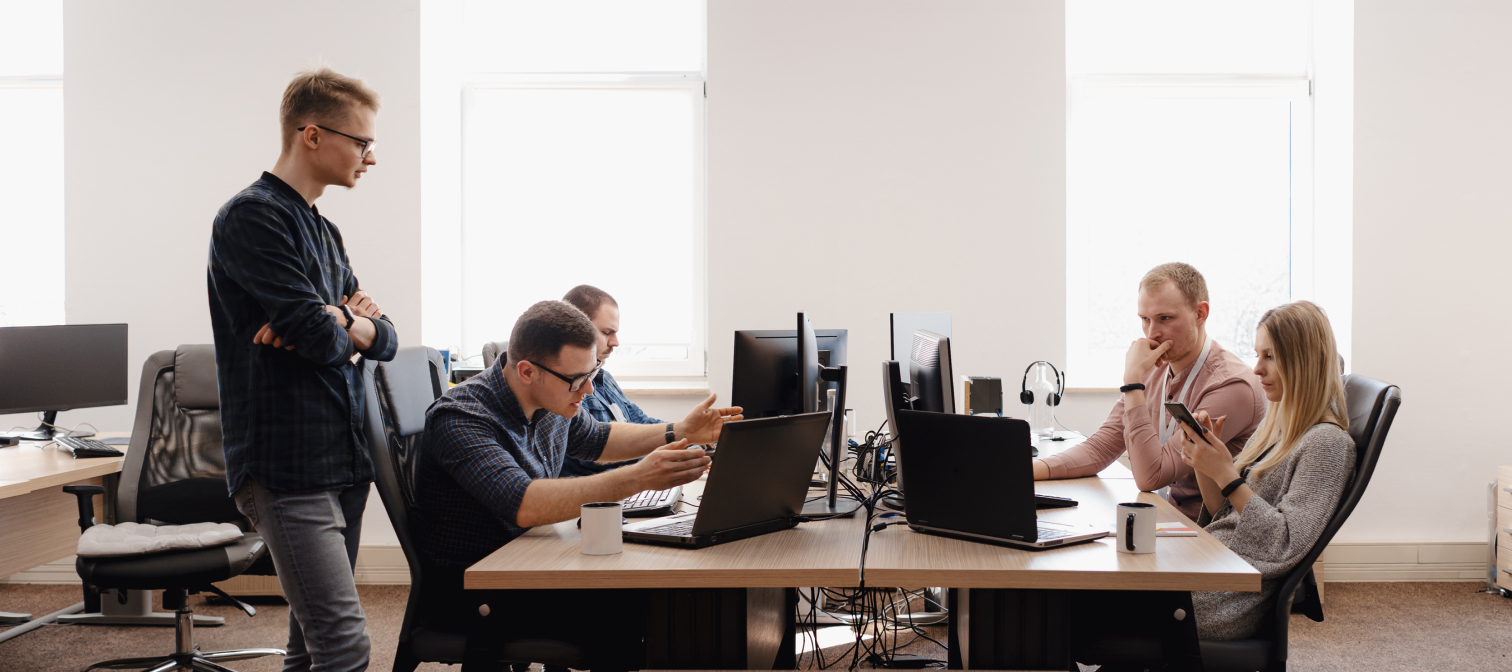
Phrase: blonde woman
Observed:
(1271, 502)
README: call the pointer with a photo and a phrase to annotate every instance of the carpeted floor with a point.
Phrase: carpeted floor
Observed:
(1381, 627)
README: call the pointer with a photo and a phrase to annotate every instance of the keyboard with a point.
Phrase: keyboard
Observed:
(1046, 533)
(678, 529)
(651, 503)
(86, 447)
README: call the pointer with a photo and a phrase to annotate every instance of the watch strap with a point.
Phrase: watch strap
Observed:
(351, 318)
(1232, 486)
(670, 436)
(1130, 388)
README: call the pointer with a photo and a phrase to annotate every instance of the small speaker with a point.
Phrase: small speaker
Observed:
(984, 394)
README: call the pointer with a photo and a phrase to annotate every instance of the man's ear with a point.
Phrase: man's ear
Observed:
(1202, 313)
(526, 371)
(310, 137)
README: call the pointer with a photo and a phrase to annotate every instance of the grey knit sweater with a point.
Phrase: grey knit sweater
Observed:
(1292, 504)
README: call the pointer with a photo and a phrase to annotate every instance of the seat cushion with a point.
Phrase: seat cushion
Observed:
(101, 541)
(172, 569)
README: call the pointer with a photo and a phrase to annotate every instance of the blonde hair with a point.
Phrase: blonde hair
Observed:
(1187, 279)
(1312, 388)
(321, 96)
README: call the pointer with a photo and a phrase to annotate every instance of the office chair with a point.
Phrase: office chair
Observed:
(174, 473)
(1372, 406)
(398, 394)
(492, 350)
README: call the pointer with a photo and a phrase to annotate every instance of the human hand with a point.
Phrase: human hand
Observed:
(1207, 453)
(1144, 354)
(265, 336)
(704, 423)
(363, 305)
(671, 465)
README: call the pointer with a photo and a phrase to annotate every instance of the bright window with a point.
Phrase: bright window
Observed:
(31, 163)
(583, 162)
(1191, 138)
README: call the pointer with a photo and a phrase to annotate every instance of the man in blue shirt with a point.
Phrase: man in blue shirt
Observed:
(608, 402)
(288, 318)
(489, 468)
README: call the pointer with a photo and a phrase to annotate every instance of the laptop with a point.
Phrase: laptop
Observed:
(756, 485)
(971, 477)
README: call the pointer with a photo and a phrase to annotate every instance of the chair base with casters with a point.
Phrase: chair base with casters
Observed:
(133, 607)
(186, 656)
(177, 574)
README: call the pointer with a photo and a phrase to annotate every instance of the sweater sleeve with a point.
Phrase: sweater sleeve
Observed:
(1273, 536)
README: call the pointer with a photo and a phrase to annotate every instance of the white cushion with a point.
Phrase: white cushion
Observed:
(103, 541)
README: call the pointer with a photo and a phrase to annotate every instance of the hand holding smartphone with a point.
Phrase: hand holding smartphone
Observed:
(1179, 411)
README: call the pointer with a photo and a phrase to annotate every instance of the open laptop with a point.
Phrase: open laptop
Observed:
(972, 477)
(756, 485)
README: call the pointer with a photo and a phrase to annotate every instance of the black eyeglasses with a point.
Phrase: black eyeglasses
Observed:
(574, 384)
(367, 145)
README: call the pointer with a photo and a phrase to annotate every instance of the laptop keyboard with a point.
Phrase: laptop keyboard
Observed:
(678, 529)
(1052, 533)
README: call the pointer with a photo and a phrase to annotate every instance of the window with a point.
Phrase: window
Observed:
(1191, 138)
(583, 162)
(31, 171)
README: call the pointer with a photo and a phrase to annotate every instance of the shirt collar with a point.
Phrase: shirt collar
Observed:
(283, 187)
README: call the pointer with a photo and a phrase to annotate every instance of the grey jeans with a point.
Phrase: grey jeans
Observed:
(313, 540)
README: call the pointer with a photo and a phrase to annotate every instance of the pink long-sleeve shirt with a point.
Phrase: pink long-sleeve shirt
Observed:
(1224, 387)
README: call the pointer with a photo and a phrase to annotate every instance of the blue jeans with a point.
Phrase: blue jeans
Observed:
(313, 540)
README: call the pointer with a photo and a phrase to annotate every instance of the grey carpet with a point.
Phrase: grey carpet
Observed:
(1381, 627)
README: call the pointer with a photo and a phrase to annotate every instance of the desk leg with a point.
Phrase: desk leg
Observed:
(721, 628)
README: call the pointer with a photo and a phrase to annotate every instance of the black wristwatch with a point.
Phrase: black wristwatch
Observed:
(1130, 388)
(350, 317)
(670, 436)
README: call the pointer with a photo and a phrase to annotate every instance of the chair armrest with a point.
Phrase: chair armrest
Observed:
(86, 494)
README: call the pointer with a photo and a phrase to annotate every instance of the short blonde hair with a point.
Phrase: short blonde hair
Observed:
(1187, 279)
(321, 96)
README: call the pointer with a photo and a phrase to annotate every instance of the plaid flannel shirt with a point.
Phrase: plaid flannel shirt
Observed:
(606, 391)
(291, 419)
(479, 454)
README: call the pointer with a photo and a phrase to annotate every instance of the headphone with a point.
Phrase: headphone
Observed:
(1027, 397)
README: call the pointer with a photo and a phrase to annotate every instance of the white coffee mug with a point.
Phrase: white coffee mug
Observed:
(601, 528)
(1136, 527)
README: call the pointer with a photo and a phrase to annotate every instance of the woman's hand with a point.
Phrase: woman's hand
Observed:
(1207, 453)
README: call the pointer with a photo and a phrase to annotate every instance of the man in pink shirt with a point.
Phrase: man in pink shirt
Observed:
(1175, 361)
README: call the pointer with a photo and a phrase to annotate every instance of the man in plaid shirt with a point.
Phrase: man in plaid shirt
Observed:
(488, 471)
(288, 318)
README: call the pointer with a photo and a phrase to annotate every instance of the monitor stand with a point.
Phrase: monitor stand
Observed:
(833, 505)
(44, 432)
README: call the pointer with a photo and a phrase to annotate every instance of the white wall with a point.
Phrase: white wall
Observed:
(871, 157)
(1431, 238)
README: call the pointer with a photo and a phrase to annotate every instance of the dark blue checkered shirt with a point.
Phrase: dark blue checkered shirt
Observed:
(291, 419)
(479, 455)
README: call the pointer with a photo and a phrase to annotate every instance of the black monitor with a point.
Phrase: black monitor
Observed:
(814, 378)
(766, 376)
(930, 374)
(903, 327)
(59, 368)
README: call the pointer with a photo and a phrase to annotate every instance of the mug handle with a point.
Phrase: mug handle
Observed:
(1129, 533)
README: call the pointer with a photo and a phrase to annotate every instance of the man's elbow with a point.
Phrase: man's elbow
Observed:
(1150, 483)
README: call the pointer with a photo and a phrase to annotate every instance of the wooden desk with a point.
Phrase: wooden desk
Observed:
(38, 521)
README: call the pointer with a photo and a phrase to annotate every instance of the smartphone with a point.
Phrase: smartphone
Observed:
(1179, 411)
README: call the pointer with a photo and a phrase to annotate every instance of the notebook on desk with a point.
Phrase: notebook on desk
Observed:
(971, 477)
(755, 486)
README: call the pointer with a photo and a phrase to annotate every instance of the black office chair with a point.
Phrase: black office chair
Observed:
(1372, 405)
(492, 350)
(174, 472)
(398, 394)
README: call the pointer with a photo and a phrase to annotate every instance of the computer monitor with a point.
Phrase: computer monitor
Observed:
(60, 368)
(930, 374)
(903, 327)
(814, 378)
(766, 376)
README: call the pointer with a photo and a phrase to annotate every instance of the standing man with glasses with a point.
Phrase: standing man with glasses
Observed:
(289, 319)
(488, 470)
